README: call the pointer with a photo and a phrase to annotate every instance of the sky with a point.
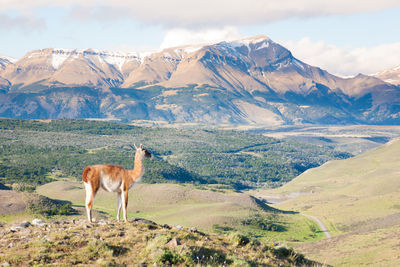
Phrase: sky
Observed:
(345, 37)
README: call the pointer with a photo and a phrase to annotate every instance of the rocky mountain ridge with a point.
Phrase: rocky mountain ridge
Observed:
(390, 76)
(252, 80)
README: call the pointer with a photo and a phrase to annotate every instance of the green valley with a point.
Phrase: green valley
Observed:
(37, 152)
(358, 200)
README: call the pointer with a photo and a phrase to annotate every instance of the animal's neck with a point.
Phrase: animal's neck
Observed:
(138, 169)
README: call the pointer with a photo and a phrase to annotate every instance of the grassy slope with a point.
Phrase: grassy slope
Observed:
(187, 206)
(358, 199)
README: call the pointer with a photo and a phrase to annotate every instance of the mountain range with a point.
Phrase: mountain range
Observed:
(252, 80)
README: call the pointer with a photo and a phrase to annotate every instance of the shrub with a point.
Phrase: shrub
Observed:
(266, 224)
(24, 187)
(38, 204)
(239, 240)
(169, 257)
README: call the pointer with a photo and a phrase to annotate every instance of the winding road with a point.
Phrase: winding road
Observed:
(318, 221)
(315, 219)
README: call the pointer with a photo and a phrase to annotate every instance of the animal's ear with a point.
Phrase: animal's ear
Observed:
(135, 146)
(141, 146)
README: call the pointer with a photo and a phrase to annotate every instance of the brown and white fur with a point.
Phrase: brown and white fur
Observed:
(113, 178)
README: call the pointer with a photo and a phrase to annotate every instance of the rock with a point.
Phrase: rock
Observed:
(18, 226)
(38, 222)
(166, 226)
(5, 264)
(11, 245)
(145, 221)
(86, 226)
(174, 242)
(101, 222)
(150, 224)
(180, 227)
(193, 229)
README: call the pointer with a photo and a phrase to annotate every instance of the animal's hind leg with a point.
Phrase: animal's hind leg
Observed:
(119, 205)
(89, 200)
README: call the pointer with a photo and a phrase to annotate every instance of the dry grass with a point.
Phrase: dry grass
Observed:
(190, 207)
(11, 202)
(66, 243)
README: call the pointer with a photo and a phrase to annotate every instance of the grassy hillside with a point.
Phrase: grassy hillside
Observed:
(16, 206)
(66, 243)
(38, 152)
(215, 211)
(358, 199)
(242, 231)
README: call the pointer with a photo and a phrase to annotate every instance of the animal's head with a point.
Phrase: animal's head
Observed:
(142, 152)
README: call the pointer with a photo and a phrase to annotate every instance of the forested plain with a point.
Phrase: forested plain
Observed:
(35, 152)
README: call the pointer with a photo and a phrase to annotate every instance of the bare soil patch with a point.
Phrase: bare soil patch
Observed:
(11, 202)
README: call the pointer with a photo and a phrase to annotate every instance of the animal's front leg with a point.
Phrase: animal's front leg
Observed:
(119, 205)
(124, 203)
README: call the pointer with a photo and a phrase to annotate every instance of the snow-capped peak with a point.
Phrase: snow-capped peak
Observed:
(258, 42)
(117, 58)
(12, 60)
(395, 69)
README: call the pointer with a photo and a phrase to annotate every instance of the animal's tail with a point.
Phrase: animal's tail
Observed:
(85, 174)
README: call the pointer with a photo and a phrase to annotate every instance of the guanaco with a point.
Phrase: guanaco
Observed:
(113, 178)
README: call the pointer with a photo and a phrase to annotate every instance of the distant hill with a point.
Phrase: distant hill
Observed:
(14, 202)
(359, 201)
(252, 80)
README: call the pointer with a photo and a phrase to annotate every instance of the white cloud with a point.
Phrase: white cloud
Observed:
(180, 36)
(182, 13)
(24, 22)
(345, 62)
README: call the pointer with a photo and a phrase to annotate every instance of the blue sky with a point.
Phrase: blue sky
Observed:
(344, 37)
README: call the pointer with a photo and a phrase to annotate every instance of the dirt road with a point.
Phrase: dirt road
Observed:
(321, 225)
